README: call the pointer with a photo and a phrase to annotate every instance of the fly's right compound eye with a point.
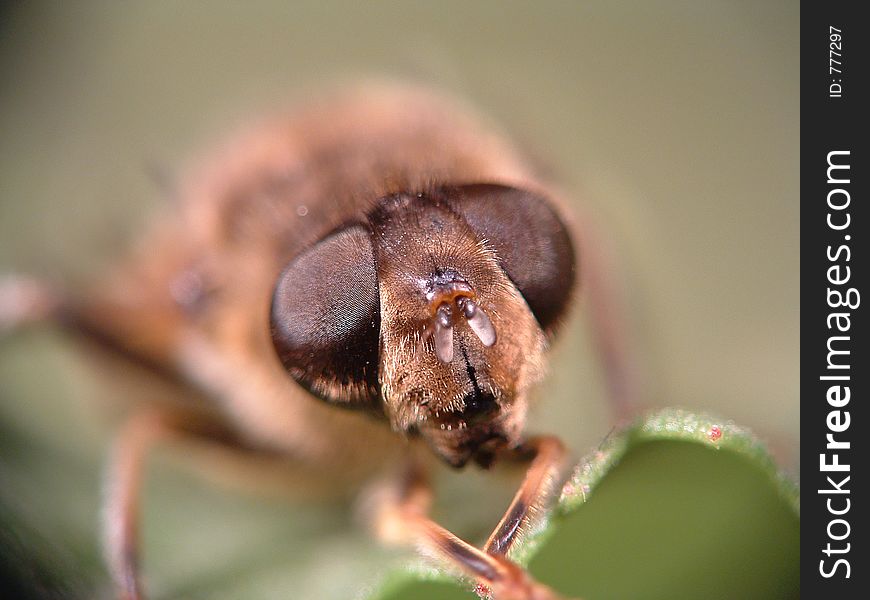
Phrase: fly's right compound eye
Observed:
(325, 319)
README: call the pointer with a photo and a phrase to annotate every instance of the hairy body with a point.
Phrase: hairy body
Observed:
(195, 298)
(411, 271)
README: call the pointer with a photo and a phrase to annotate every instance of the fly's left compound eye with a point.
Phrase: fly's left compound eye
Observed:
(533, 245)
(325, 319)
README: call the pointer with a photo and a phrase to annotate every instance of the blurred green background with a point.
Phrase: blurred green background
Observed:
(673, 124)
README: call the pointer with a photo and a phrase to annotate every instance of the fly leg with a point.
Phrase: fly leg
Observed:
(402, 517)
(541, 478)
(121, 501)
(25, 301)
(124, 476)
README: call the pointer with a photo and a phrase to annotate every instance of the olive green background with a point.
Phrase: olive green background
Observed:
(673, 124)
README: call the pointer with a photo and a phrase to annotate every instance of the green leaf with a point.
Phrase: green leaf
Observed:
(677, 505)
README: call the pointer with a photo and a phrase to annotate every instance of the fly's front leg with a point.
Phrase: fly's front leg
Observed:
(121, 501)
(541, 478)
(402, 517)
(24, 301)
(124, 476)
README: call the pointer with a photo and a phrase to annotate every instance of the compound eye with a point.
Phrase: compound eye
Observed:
(325, 319)
(532, 244)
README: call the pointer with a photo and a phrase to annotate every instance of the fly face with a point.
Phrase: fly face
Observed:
(434, 312)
